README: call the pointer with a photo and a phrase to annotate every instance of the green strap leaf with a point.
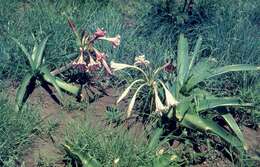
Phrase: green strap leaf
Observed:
(195, 52)
(182, 108)
(25, 51)
(198, 73)
(201, 93)
(234, 126)
(182, 60)
(22, 93)
(39, 52)
(194, 121)
(73, 89)
(51, 79)
(34, 52)
(204, 71)
(209, 103)
(233, 68)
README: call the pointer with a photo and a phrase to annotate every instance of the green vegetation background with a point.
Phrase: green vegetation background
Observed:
(230, 31)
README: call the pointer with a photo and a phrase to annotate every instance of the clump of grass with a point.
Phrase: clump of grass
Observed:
(113, 115)
(115, 146)
(15, 131)
(31, 21)
(71, 105)
(168, 18)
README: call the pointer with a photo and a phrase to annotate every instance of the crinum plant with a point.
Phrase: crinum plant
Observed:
(195, 101)
(95, 59)
(190, 102)
(91, 60)
(149, 80)
(40, 74)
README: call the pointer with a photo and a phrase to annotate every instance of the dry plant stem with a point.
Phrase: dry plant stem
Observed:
(62, 69)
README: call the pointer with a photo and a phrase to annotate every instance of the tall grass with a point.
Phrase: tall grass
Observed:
(32, 20)
(15, 131)
(230, 31)
(110, 144)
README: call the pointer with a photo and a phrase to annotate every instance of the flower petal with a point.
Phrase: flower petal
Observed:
(119, 66)
(126, 91)
(159, 107)
(132, 102)
(104, 63)
(170, 100)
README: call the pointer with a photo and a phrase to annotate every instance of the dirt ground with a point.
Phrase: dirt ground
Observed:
(47, 147)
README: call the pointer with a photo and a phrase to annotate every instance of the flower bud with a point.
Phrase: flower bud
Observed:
(100, 33)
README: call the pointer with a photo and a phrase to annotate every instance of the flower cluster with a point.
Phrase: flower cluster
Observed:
(90, 58)
(149, 79)
(140, 60)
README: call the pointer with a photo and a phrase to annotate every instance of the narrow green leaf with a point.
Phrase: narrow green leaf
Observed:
(73, 89)
(201, 93)
(39, 52)
(22, 92)
(182, 59)
(25, 51)
(51, 79)
(201, 73)
(126, 91)
(194, 121)
(234, 68)
(198, 73)
(209, 103)
(34, 52)
(195, 52)
(233, 125)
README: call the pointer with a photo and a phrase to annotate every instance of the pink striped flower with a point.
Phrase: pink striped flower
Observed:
(101, 57)
(115, 41)
(100, 33)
